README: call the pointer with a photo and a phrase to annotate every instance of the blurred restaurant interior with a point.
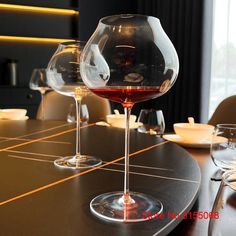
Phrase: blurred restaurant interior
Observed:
(30, 35)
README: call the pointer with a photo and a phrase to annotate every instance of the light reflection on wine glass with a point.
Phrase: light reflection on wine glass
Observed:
(128, 59)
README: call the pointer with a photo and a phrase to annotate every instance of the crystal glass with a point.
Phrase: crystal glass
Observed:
(38, 81)
(223, 146)
(64, 77)
(128, 59)
(223, 214)
(152, 120)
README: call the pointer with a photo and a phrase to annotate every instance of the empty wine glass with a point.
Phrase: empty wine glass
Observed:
(223, 148)
(128, 59)
(38, 81)
(152, 120)
(223, 214)
(64, 77)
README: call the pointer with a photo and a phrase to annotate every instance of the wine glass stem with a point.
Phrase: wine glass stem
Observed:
(126, 197)
(78, 143)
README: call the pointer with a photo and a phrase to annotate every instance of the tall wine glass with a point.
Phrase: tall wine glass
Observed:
(64, 77)
(128, 59)
(38, 81)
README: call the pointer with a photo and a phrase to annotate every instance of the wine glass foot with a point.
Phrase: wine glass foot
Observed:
(74, 162)
(110, 206)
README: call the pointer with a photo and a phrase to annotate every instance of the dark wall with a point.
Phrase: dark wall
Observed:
(19, 23)
(91, 11)
(30, 55)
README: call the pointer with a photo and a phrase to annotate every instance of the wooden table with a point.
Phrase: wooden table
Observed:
(208, 191)
(36, 198)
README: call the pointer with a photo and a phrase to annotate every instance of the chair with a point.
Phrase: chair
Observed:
(56, 107)
(225, 112)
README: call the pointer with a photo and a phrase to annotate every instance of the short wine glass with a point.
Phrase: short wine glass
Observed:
(63, 73)
(128, 59)
(223, 148)
(152, 122)
(38, 81)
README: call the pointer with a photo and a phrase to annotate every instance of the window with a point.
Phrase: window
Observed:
(223, 71)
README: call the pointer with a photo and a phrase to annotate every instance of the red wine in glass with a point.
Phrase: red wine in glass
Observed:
(128, 95)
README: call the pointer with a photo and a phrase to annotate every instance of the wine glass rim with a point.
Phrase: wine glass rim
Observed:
(124, 16)
(229, 126)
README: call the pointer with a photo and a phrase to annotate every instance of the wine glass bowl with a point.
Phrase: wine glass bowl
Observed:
(152, 121)
(128, 59)
(38, 81)
(64, 77)
(223, 147)
(129, 63)
(63, 70)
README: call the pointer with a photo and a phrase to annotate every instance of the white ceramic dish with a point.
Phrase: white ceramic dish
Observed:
(193, 132)
(22, 118)
(200, 144)
(118, 120)
(12, 114)
(134, 125)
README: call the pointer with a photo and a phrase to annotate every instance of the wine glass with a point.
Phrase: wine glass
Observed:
(152, 122)
(38, 81)
(63, 73)
(223, 148)
(223, 214)
(128, 59)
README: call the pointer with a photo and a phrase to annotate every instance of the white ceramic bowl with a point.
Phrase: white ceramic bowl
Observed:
(119, 120)
(193, 133)
(12, 114)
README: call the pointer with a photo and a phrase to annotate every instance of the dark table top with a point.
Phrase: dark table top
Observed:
(38, 198)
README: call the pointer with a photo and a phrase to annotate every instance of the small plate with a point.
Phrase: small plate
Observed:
(22, 118)
(201, 144)
(133, 126)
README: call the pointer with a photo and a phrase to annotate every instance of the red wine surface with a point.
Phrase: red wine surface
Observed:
(128, 95)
